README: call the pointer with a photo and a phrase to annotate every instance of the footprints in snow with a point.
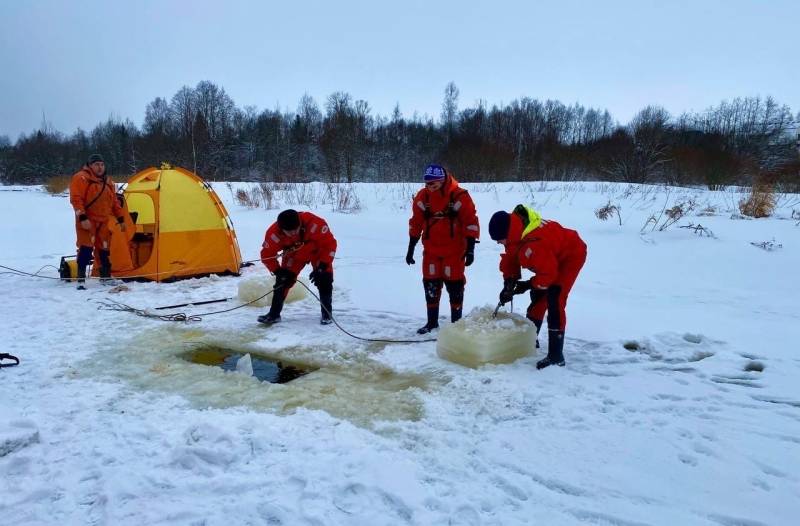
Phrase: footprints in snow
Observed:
(684, 353)
(673, 349)
(359, 500)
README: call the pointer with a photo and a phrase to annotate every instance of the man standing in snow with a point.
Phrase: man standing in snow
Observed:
(555, 254)
(443, 214)
(300, 238)
(93, 196)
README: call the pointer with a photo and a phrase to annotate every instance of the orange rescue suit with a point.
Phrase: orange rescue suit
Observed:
(314, 243)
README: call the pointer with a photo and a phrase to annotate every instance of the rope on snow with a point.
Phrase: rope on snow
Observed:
(6, 356)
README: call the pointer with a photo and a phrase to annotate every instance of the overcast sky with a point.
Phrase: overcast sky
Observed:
(80, 62)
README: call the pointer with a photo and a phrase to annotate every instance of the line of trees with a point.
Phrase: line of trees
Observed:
(344, 141)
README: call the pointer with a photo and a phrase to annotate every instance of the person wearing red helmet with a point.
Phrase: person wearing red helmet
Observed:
(443, 215)
(556, 256)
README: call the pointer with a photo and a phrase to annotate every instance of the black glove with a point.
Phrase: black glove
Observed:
(507, 294)
(469, 255)
(321, 267)
(284, 276)
(412, 242)
(522, 286)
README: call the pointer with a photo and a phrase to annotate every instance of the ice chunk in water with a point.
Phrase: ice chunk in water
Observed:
(253, 287)
(478, 338)
(244, 365)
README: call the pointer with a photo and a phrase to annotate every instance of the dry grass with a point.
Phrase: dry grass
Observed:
(58, 184)
(262, 195)
(760, 203)
(607, 211)
(669, 215)
(344, 198)
(247, 198)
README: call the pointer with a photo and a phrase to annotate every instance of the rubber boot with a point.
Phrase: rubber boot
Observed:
(274, 314)
(455, 289)
(433, 321)
(325, 287)
(83, 260)
(105, 268)
(555, 350)
(433, 291)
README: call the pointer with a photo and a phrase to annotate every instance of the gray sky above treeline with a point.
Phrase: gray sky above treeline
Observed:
(77, 63)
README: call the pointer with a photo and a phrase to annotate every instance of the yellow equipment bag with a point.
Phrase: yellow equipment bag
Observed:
(68, 269)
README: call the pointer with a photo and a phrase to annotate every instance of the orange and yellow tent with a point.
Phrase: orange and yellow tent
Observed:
(176, 227)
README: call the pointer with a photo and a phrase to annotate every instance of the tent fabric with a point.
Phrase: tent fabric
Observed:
(177, 228)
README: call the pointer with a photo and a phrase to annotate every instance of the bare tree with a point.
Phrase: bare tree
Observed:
(182, 109)
(649, 129)
(449, 108)
(157, 117)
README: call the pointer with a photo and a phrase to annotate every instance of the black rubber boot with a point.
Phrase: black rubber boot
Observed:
(81, 277)
(455, 289)
(433, 321)
(433, 291)
(269, 318)
(325, 287)
(105, 267)
(83, 260)
(274, 314)
(555, 350)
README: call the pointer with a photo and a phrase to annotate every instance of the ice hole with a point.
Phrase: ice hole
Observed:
(345, 383)
(263, 367)
(480, 338)
(253, 287)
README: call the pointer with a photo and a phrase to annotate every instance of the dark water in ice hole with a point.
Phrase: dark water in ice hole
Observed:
(265, 369)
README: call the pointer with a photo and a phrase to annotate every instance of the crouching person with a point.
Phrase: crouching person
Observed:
(291, 242)
(555, 254)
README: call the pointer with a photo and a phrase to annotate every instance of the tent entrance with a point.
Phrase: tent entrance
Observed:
(143, 214)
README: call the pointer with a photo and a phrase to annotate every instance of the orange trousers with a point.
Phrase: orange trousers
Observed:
(98, 236)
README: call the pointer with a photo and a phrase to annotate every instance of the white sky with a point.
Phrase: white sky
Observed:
(79, 63)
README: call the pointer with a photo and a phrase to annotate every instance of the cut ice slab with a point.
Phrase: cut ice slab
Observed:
(244, 365)
(480, 338)
(253, 287)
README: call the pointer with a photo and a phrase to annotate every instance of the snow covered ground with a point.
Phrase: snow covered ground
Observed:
(679, 404)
